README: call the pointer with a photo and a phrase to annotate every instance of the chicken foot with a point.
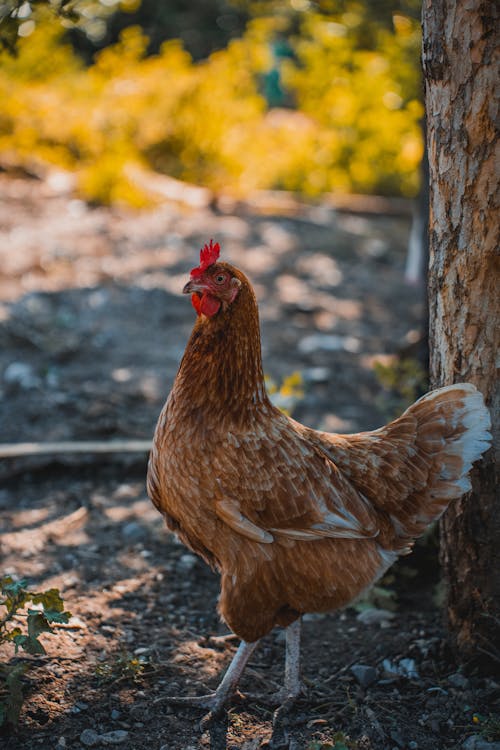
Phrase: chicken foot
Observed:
(215, 702)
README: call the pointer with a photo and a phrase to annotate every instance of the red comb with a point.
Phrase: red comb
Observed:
(208, 255)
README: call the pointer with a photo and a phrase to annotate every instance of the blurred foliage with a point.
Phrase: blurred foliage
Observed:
(201, 25)
(404, 381)
(287, 395)
(348, 85)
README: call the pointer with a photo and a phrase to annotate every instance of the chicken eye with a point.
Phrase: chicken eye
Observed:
(220, 279)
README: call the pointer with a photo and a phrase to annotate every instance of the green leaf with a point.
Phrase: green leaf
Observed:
(16, 593)
(12, 588)
(50, 599)
(29, 643)
(11, 634)
(37, 623)
(52, 615)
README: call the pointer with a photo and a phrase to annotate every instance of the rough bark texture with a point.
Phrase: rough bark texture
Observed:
(461, 75)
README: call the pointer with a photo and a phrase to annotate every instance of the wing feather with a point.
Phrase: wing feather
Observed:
(285, 488)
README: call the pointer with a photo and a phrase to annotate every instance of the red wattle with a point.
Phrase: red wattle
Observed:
(196, 302)
(209, 305)
(206, 305)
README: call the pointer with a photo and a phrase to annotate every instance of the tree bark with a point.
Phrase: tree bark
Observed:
(460, 40)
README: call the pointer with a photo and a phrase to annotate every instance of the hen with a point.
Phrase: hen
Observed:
(295, 520)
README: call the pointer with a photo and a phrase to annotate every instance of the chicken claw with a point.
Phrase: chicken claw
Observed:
(216, 702)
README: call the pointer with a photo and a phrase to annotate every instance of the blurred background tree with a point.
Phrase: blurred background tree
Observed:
(231, 94)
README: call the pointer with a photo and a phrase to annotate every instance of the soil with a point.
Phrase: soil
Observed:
(92, 328)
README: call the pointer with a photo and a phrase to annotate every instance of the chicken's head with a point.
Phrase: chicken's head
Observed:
(212, 285)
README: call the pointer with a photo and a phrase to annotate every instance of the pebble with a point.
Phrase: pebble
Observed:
(316, 374)
(476, 742)
(116, 737)
(187, 562)
(21, 375)
(61, 743)
(134, 532)
(313, 616)
(90, 738)
(364, 674)
(404, 668)
(375, 616)
(458, 680)
(328, 342)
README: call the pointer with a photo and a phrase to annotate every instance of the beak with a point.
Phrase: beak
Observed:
(193, 286)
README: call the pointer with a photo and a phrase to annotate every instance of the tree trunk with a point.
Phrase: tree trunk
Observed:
(459, 40)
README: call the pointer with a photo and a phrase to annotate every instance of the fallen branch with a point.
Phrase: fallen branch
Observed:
(16, 450)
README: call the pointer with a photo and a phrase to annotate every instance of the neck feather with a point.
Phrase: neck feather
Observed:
(221, 372)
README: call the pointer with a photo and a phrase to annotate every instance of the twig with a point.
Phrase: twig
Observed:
(16, 450)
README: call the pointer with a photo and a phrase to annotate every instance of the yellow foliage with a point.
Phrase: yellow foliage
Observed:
(355, 126)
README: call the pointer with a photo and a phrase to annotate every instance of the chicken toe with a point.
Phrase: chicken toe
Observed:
(216, 702)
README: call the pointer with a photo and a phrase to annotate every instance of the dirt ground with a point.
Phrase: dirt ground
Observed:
(92, 328)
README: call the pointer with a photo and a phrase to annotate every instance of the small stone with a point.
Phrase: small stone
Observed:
(313, 616)
(438, 690)
(458, 680)
(116, 737)
(329, 343)
(61, 743)
(316, 375)
(476, 742)
(90, 738)
(408, 668)
(134, 532)
(187, 562)
(21, 375)
(115, 714)
(404, 668)
(375, 616)
(364, 674)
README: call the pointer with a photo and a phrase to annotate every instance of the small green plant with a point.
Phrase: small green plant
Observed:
(339, 741)
(489, 726)
(123, 666)
(21, 626)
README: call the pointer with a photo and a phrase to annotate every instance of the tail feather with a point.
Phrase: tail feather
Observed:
(413, 467)
(461, 436)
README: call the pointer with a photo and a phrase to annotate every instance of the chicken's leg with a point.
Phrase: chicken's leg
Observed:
(216, 702)
(292, 685)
